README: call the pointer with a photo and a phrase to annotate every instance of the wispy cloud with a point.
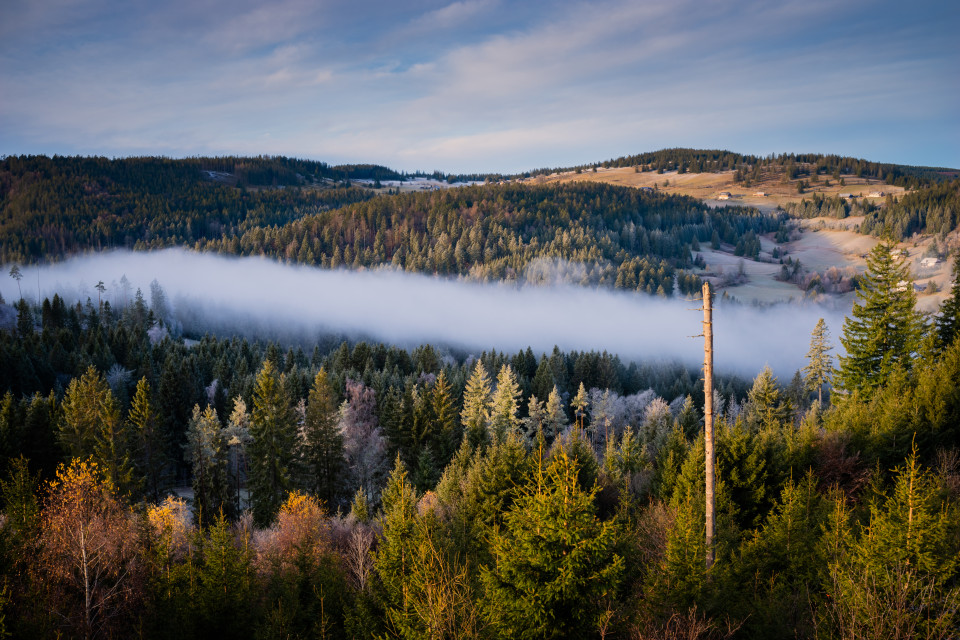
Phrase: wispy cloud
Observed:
(479, 84)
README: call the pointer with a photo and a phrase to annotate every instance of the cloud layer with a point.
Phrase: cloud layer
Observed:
(408, 309)
(479, 85)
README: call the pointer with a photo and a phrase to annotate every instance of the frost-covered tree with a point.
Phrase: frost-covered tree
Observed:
(505, 405)
(765, 408)
(238, 439)
(656, 426)
(535, 420)
(580, 405)
(555, 418)
(363, 441)
(476, 406)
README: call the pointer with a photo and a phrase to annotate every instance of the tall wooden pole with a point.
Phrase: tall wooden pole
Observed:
(708, 415)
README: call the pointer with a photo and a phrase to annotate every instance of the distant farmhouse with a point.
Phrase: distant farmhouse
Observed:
(724, 195)
(927, 263)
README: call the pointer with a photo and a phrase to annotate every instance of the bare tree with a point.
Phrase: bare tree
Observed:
(16, 275)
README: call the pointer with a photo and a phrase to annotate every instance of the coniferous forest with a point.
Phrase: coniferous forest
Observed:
(157, 485)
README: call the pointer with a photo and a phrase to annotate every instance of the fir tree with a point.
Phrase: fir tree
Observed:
(504, 406)
(580, 404)
(948, 322)
(476, 407)
(556, 568)
(820, 368)
(884, 329)
(322, 443)
(446, 430)
(83, 407)
(113, 449)
(555, 420)
(205, 452)
(764, 408)
(272, 452)
(151, 447)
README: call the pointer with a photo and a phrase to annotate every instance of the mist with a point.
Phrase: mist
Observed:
(253, 295)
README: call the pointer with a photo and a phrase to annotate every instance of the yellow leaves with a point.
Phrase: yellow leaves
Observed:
(171, 523)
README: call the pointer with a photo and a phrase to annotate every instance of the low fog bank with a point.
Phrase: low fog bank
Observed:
(249, 294)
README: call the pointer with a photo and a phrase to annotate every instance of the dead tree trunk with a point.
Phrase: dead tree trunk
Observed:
(708, 417)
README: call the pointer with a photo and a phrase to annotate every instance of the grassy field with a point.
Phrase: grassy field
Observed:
(708, 186)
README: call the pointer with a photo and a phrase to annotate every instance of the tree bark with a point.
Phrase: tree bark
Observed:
(708, 418)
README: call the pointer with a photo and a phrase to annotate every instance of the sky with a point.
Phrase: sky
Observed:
(259, 296)
(480, 85)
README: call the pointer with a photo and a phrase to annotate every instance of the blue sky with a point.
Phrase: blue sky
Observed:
(480, 85)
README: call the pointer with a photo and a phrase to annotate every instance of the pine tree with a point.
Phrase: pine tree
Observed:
(322, 443)
(476, 407)
(884, 329)
(504, 406)
(948, 322)
(272, 452)
(820, 368)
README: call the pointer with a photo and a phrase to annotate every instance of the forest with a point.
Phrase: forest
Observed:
(790, 164)
(934, 209)
(157, 485)
(363, 490)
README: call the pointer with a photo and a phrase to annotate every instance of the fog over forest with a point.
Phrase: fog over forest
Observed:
(254, 294)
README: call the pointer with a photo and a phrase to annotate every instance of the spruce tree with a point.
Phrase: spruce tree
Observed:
(83, 407)
(884, 329)
(504, 406)
(948, 323)
(764, 408)
(272, 452)
(446, 430)
(323, 456)
(820, 368)
(205, 451)
(476, 406)
(150, 445)
(556, 565)
(556, 418)
(112, 450)
(580, 404)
